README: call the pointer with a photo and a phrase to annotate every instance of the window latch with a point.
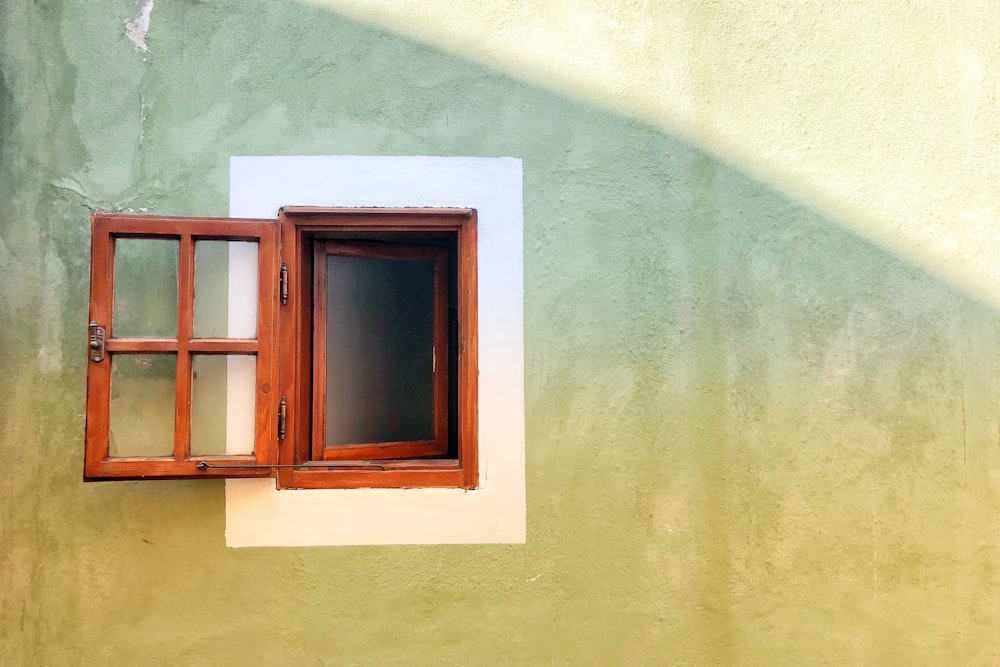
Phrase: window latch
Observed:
(96, 342)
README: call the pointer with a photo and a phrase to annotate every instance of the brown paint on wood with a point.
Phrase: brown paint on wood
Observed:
(468, 352)
(383, 450)
(284, 348)
(265, 426)
(169, 468)
(376, 479)
(107, 227)
(99, 373)
(348, 217)
(286, 318)
(440, 362)
(163, 226)
(319, 348)
(301, 348)
(195, 345)
(185, 325)
(438, 258)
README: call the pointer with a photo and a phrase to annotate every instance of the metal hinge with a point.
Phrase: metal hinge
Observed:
(283, 283)
(96, 342)
(282, 414)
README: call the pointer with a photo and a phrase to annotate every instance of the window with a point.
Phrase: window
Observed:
(378, 348)
(359, 352)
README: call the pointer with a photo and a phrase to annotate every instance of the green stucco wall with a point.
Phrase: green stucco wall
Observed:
(761, 338)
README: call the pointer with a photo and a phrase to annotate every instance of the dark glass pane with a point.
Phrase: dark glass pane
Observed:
(380, 337)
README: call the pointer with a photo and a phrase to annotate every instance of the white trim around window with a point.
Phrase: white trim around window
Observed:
(258, 515)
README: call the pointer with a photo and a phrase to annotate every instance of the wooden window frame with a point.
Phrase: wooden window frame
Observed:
(106, 228)
(284, 389)
(300, 227)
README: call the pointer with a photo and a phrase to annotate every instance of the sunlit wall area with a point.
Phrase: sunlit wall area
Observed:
(881, 115)
(761, 331)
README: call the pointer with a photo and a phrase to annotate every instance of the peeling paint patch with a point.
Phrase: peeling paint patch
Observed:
(137, 28)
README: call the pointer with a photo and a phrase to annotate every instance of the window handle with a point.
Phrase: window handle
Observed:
(96, 342)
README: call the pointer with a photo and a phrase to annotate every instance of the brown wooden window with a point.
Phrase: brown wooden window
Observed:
(358, 351)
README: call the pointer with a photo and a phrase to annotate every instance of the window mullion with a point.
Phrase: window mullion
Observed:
(185, 328)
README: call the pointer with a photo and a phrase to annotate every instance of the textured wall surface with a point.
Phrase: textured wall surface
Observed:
(763, 380)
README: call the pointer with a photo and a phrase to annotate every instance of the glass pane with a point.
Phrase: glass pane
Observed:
(225, 289)
(145, 288)
(223, 404)
(380, 336)
(142, 404)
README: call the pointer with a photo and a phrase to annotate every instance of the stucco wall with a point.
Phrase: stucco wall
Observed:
(761, 327)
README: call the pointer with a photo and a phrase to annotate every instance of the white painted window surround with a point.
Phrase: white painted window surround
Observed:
(258, 515)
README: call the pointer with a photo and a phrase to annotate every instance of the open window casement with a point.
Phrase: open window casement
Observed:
(168, 346)
(330, 348)
(380, 323)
